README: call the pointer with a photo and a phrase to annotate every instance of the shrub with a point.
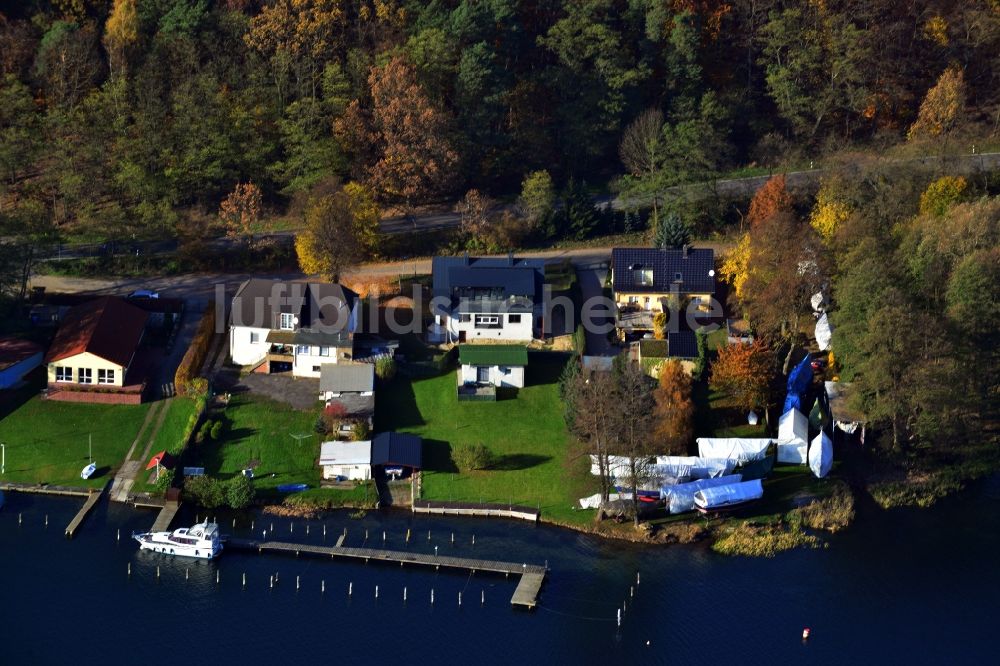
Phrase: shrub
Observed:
(473, 456)
(320, 426)
(832, 513)
(360, 431)
(240, 492)
(385, 368)
(763, 540)
(164, 480)
(216, 431)
(702, 363)
(195, 355)
(204, 433)
(205, 491)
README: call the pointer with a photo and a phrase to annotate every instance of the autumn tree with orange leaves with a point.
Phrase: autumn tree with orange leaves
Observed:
(673, 416)
(743, 372)
(406, 135)
(771, 198)
(240, 212)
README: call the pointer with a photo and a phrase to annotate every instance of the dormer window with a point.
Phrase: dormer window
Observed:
(678, 277)
(643, 276)
(287, 322)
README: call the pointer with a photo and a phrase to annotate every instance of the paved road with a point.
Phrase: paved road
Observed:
(432, 221)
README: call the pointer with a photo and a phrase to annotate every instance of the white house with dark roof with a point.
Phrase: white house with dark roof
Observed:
(296, 327)
(646, 280)
(486, 299)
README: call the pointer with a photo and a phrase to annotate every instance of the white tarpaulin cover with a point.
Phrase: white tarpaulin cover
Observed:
(738, 449)
(692, 467)
(734, 493)
(594, 501)
(680, 498)
(618, 466)
(821, 455)
(793, 437)
(824, 332)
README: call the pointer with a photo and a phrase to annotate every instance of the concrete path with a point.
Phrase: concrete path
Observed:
(129, 472)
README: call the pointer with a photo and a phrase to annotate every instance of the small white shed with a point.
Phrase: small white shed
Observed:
(499, 365)
(348, 460)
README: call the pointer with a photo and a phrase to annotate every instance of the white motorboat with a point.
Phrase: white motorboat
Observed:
(202, 541)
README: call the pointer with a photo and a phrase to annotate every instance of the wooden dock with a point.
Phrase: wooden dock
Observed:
(88, 505)
(483, 510)
(39, 489)
(526, 594)
(166, 516)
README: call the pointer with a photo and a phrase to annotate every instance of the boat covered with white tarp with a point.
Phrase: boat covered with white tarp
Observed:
(821, 455)
(793, 437)
(738, 449)
(680, 498)
(619, 467)
(730, 495)
(681, 468)
(594, 501)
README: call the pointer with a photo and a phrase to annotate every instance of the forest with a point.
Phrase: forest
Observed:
(136, 118)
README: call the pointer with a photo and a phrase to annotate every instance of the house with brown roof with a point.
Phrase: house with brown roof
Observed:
(94, 349)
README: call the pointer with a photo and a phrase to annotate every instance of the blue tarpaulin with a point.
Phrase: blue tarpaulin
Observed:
(798, 382)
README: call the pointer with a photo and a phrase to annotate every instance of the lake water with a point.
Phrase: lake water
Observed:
(902, 586)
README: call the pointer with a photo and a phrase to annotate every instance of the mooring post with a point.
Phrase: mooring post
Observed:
(119, 535)
(234, 523)
(157, 571)
(452, 537)
(324, 530)
(619, 617)
(473, 539)
(637, 578)
(296, 582)
(244, 579)
(407, 535)
(216, 576)
(428, 535)
(482, 599)
(383, 536)
(404, 594)
(432, 596)
(187, 574)
(376, 591)
(459, 598)
(129, 568)
(322, 587)
(46, 520)
(631, 592)
(350, 588)
(272, 581)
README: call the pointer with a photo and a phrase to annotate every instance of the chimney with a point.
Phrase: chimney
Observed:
(466, 257)
(686, 248)
(510, 258)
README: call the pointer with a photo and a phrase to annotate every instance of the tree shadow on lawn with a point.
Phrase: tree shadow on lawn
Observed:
(517, 461)
(396, 406)
(437, 456)
(210, 454)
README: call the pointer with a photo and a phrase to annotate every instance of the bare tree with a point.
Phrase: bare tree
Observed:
(632, 422)
(590, 403)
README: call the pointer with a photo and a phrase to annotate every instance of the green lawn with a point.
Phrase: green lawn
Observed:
(260, 429)
(170, 438)
(47, 440)
(526, 433)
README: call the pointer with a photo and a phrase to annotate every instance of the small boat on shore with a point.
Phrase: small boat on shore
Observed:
(728, 497)
(201, 541)
(88, 471)
(292, 487)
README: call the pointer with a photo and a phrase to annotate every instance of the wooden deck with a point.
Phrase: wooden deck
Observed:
(88, 505)
(526, 594)
(476, 509)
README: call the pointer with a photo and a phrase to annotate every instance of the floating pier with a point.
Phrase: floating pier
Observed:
(476, 509)
(166, 516)
(91, 501)
(39, 489)
(526, 594)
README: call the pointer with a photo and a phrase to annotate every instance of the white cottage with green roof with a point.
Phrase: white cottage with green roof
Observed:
(495, 365)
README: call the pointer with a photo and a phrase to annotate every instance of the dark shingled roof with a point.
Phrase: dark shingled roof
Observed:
(450, 273)
(682, 344)
(258, 303)
(397, 448)
(694, 267)
(107, 327)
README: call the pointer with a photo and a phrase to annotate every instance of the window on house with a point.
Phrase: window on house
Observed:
(514, 319)
(302, 349)
(64, 374)
(324, 351)
(488, 321)
(287, 321)
(85, 375)
(105, 376)
(643, 276)
(465, 319)
(316, 368)
(254, 338)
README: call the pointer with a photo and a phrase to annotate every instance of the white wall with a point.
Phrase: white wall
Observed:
(520, 331)
(352, 472)
(304, 363)
(514, 377)
(241, 350)
(86, 360)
